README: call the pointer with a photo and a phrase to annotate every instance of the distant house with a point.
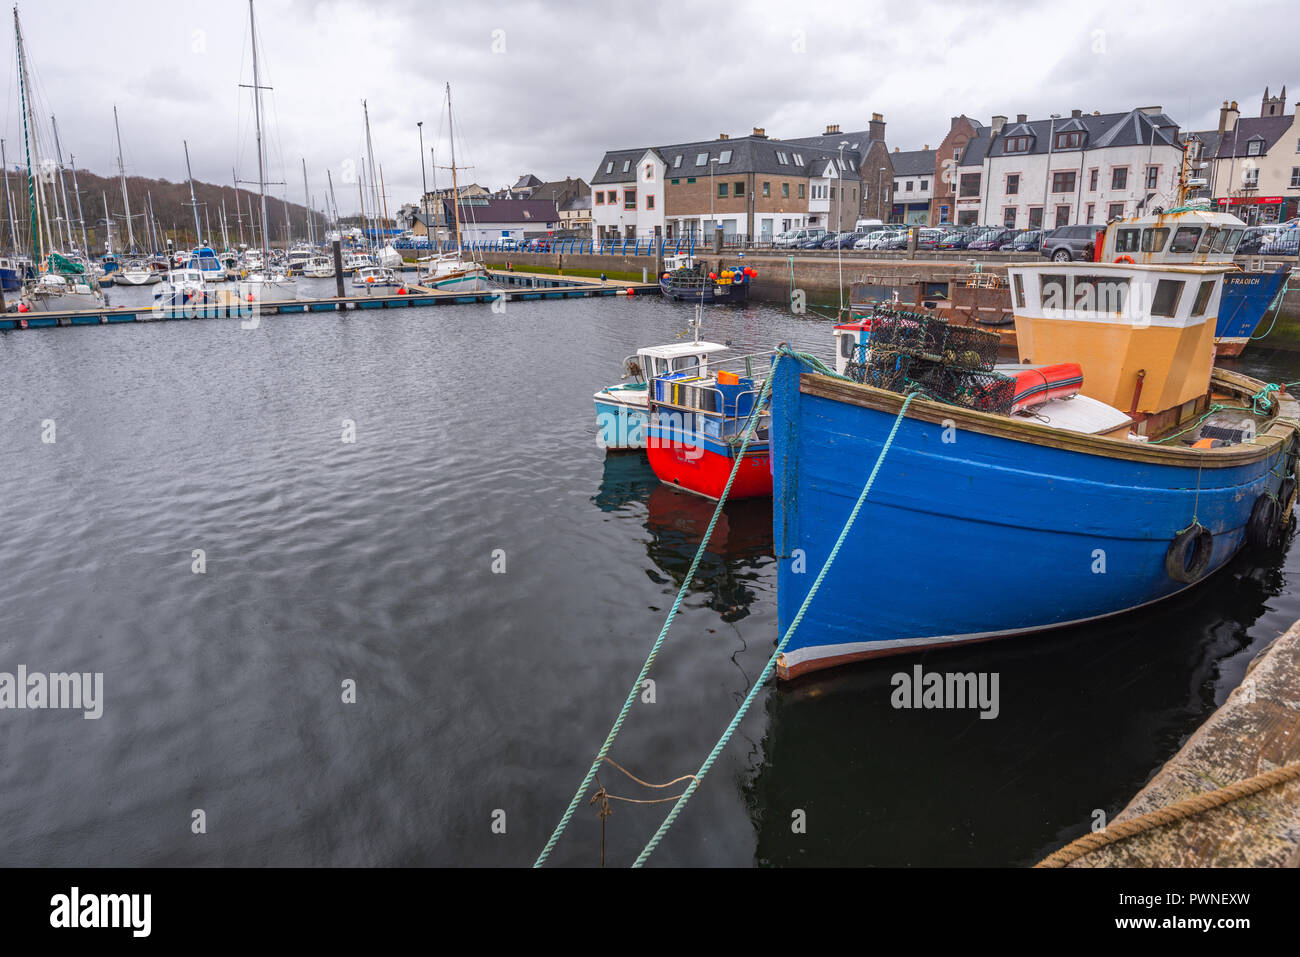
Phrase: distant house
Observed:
(913, 186)
(525, 187)
(483, 219)
(575, 216)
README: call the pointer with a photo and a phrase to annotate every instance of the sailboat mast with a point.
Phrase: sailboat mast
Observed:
(239, 209)
(153, 231)
(121, 171)
(225, 231)
(370, 153)
(63, 183)
(455, 188)
(261, 163)
(194, 203)
(81, 217)
(33, 192)
(383, 194)
(306, 192)
(334, 203)
(9, 202)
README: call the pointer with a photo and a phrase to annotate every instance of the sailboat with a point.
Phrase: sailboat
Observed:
(453, 270)
(61, 284)
(267, 281)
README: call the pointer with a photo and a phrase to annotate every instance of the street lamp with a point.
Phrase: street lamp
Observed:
(839, 215)
(1047, 177)
(713, 192)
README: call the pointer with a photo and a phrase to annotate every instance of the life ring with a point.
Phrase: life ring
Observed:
(1264, 524)
(1188, 556)
(1124, 259)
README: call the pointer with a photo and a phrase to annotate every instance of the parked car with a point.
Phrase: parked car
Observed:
(930, 238)
(1024, 241)
(1069, 243)
(1283, 242)
(845, 240)
(1255, 238)
(991, 239)
(795, 238)
(813, 240)
(828, 241)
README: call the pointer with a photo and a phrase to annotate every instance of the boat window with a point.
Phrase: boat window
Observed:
(1203, 298)
(686, 364)
(1100, 294)
(1221, 240)
(1127, 240)
(846, 345)
(1233, 239)
(1185, 240)
(1018, 290)
(1153, 240)
(1052, 292)
(1169, 291)
(1208, 239)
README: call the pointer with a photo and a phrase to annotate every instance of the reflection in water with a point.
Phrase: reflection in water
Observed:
(740, 545)
(1086, 717)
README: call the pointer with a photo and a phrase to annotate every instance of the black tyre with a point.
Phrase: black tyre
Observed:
(1061, 256)
(1188, 557)
(1264, 525)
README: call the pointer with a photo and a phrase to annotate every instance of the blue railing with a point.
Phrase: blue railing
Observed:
(648, 246)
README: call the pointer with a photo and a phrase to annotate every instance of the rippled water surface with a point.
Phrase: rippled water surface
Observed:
(477, 691)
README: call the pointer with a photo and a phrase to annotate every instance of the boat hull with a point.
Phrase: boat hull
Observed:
(737, 292)
(695, 462)
(621, 426)
(1246, 298)
(980, 528)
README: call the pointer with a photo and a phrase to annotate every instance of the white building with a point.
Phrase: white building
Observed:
(913, 186)
(1084, 168)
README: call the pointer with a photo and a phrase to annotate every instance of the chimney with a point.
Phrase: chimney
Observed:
(835, 128)
(926, 148)
(895, 149)
(998, 123)
(1151, 110)
(1022, 117)
(724, 136)
(1228, 116)
(1075, 114)
(876, 128)
(760, 132)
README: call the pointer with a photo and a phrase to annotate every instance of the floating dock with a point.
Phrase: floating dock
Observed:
(1230, 797)
(513, 287)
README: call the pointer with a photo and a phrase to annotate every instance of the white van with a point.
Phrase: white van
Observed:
(862, 224)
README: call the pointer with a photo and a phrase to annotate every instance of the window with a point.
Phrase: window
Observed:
(1250, 178)
(1233, 239)
(1063, 182)
(1127, 240)
(1221, 241)
(1092, 180)
(832, 192)
(1295, 177)
(1115, 211)
(1068, 141)
(1153, 176)
(1168, 292)
(1254, 148)
(970, 185)
(925, 184)
(1211, 233)
(1062, 216)
(675, 181)
(609, 167)
(801, 191)
(1119, 177)
(677, 161)
(1099, 294)
(649, 202)
(600, 197)
(722, 191)
(627, 165)
(1009, 217)
(1018, 290)
(910, 184)
(767, 190)
(782, 158)
(1185, 239)
(1013, 184)
(1017, 144)
(1092, 212)
(701, 159)
(629, 199)
(798, 159)
(739, 189)
(1203, 298)
(785, 191)
(724, 156)
(650, 171)
(1052, 291)
(690, 180)
(1035, 217)
(1153, 240)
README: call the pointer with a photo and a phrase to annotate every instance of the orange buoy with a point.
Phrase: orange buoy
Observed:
(629, 290)
(23, 307)
(1124, 259)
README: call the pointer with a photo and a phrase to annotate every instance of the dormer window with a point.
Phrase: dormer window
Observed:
(677, 161)
(1069, 141)
(798, 160)
(724, 156)
(609, 167)
(1017, 144)
(701, 159)
(1254, 148)
(649, 171)
(627, 165)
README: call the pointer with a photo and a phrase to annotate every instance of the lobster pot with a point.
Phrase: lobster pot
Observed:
(976, 389)
(912, 333)
(887, 370)
(970, 348)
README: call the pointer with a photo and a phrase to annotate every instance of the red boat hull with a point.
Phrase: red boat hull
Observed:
(705, 473)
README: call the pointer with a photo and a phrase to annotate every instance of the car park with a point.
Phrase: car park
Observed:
(991, 239)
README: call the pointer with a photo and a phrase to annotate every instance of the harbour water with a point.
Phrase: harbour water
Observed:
(491, 582)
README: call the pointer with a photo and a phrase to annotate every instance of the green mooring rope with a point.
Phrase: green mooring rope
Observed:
(771, 662)
(663, 633)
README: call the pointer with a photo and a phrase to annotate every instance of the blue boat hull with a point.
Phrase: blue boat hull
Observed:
(1246, 298)
(979, 536)
(620, 427)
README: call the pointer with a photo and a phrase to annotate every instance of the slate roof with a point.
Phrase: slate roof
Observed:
(914, 162)
(749, 154)
(1134, 128)
(1267, 129)
(505, 211)
(528, 179)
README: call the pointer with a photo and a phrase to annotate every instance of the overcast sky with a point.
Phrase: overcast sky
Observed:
(548, 87)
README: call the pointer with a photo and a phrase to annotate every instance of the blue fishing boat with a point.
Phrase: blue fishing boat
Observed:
(985, 522)
(1247, 297)
(686, 280)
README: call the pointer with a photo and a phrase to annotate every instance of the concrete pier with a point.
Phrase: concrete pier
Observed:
(1256, 730)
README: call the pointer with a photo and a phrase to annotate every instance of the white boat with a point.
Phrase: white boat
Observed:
(319, 267)
(390, 257)
(299, 256)
(181, 287)
(454, 272)
(272, 285)
(205, 261)
(137, 273)
(372, 276)
(354, 261)
(57, 292)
